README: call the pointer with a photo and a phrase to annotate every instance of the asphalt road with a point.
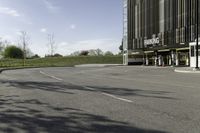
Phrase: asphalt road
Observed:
(99, 100)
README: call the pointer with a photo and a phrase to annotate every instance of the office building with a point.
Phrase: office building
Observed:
(158, 32)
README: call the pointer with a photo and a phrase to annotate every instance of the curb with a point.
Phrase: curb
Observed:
(6, 69)
(97, 65)
(184, 71)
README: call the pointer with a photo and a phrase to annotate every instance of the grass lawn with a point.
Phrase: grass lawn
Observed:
(61, 61)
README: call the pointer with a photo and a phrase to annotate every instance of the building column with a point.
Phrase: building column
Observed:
(147, 60)
(170, 60)
(156, 58)
(173, 58)
(177, 59)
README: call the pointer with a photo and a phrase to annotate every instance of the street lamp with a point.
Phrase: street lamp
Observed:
(197, 34)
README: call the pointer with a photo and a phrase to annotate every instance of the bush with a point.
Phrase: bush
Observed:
(57, 55)
(108, 53)
(84, 53)
(35, 56)
(13, 52)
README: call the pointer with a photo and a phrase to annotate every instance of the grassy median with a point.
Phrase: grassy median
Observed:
(60, 61)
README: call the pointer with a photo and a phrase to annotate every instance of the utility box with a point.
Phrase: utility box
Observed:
(193, 54)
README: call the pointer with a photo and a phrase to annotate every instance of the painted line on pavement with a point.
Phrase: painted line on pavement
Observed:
(59, 79)
(89, 88)
(106, 94)
(118, 98)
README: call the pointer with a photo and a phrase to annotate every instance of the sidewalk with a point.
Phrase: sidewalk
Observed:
(98, 65)
(186, 70)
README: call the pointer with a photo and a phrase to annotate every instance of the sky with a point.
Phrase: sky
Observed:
(76, 24)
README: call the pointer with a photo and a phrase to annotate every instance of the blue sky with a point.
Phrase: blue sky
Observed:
(76, 24)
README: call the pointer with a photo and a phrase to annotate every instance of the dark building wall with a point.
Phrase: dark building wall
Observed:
(173, 21)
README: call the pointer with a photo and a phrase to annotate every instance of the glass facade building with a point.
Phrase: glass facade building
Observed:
(158, 32)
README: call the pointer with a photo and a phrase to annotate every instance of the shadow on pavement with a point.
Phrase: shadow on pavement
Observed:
(133, 92)
(64, 88)
(17, 116)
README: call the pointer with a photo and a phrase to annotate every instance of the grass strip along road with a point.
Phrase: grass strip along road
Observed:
(61, 61)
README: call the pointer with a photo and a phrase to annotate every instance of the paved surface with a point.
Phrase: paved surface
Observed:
(99, 100)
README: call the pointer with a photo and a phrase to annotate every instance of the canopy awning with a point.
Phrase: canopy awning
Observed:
(147, 52)
(179, 49)
(164, 50)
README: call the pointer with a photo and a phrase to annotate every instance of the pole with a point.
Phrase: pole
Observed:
(24, 50)
(197, 34)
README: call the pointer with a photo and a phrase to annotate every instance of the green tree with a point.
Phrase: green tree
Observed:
(108, 53)
(121, 48)
(13, 52)
(84, 53)
(35, 56)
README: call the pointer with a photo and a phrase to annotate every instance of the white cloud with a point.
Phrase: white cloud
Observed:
(63, 44)
(66, 48)
(19, 33)
(6, 37)
(29, 23)
(43, 30)
(49, 5)
(8, 11)
(72, 26)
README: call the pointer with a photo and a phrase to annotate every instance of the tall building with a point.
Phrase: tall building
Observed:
(158, 32)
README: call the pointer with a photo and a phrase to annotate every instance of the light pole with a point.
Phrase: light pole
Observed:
(197, 34)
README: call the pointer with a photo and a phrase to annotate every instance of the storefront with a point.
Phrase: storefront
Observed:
(168, 57)
(149, 58)
(164, 57)
(182, 57)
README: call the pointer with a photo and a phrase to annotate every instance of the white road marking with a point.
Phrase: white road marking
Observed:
(118, 98)
(59, 79)
(89, 88)
(106, 94)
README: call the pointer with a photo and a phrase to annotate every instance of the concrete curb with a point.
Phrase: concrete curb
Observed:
(97, 65)
(187, 71)
(7, 69)
(16, 68)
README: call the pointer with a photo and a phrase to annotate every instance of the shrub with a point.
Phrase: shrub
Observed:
(84, 53)
(35, 56)
(57, 55)
(13, 52)
(108, 53)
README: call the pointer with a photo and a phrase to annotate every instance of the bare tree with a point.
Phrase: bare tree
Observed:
(51, 44)
(99, 52)
(76, 53)
(3, 43)
(95, 52)
(24, 40)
